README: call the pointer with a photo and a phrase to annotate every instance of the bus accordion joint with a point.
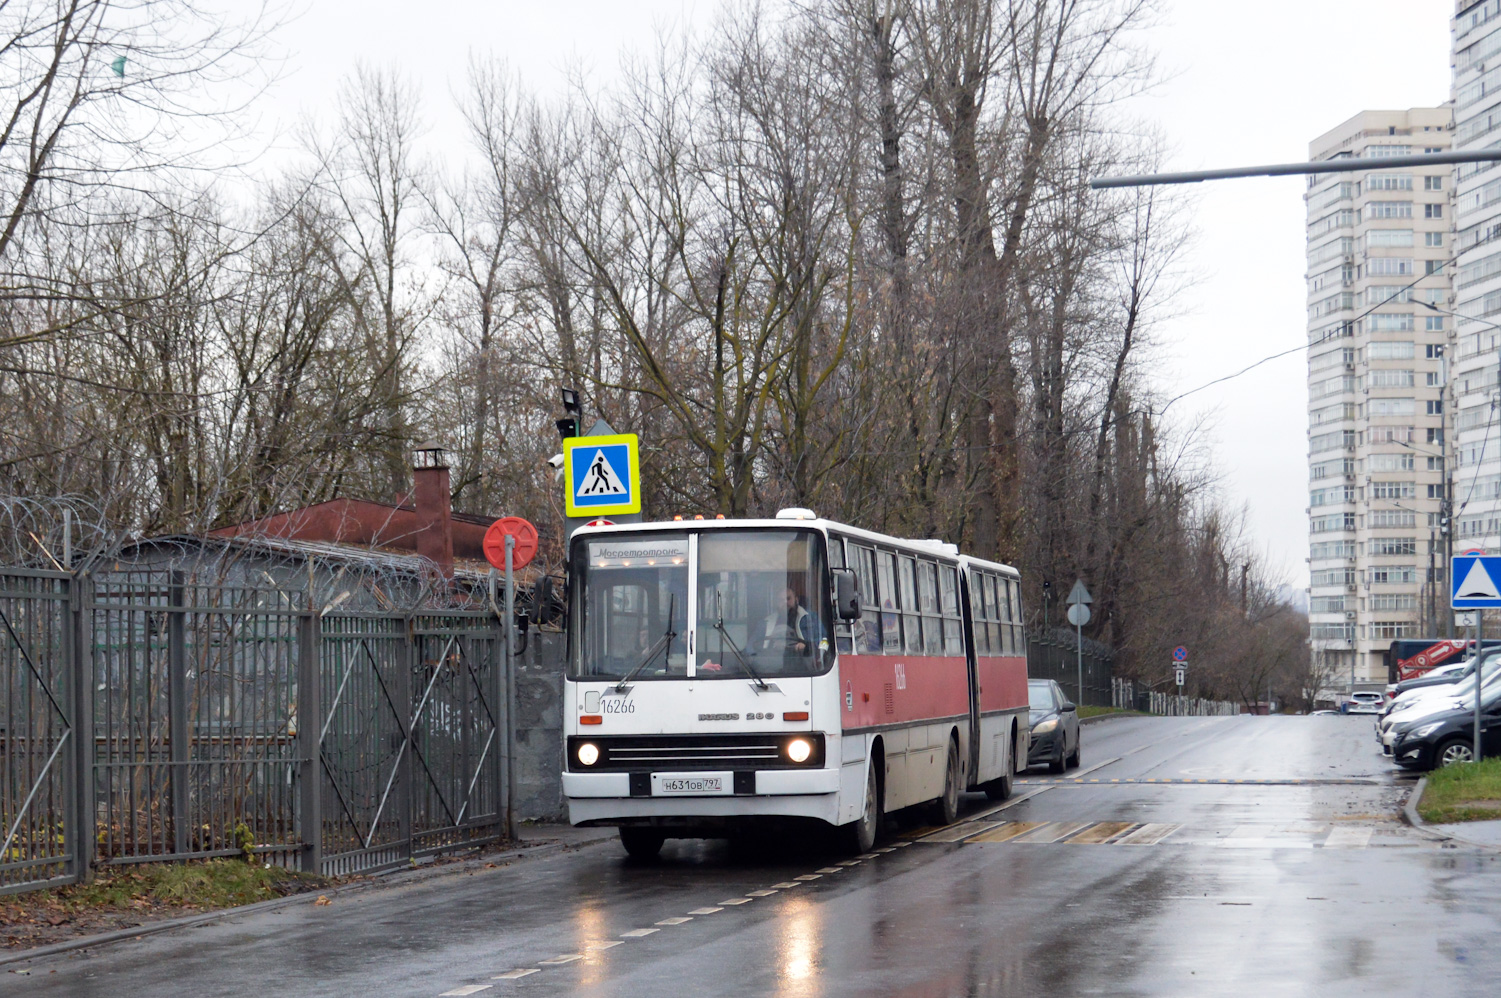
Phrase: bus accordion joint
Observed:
(591, 719)
(795, 715)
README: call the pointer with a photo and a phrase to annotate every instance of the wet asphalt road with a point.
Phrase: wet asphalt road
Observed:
(1304, 884)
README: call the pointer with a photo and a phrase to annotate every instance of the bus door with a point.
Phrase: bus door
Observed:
(972, 665)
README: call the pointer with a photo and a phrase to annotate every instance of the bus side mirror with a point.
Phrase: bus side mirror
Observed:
(846, 595)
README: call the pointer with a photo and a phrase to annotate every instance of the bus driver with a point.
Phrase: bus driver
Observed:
(791, 629)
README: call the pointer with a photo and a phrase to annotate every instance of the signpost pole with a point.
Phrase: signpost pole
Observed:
(510, 624)
(1479, 645)
(1079, 645)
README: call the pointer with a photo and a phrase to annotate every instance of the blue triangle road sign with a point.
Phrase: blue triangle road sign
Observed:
(1475, 582)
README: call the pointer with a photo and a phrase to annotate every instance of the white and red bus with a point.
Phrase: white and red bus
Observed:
(729, 673)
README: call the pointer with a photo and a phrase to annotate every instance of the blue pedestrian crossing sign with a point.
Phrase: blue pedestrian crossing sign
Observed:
(1474, 579)
(601, 475)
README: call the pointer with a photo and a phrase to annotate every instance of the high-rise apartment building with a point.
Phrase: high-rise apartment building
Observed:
(1476, 32)
(1378, 243)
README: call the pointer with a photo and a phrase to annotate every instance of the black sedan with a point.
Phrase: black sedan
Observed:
(1447, 738)
(1055, 726)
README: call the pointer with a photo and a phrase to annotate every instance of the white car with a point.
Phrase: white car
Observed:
(1426, 701)
(1364, 702)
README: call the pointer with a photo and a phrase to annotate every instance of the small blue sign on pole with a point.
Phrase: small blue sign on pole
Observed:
(1180, 653)
(1473, 580)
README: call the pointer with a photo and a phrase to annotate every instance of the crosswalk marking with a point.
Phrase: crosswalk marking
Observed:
(1290, 835)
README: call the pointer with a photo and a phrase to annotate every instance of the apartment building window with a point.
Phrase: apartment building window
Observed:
(1396, 350)
(1390, 182)
(1326, 604)
(1389, 435)
(1332, 549)
(1436, 464)
(1391, 379)
(1334, 413)
(1394, 601)
(1431, 267)
(1393, 490)
(1384, 238)
(1435, 435)
(1435, 407)
(1385, 629)
(1332, 522)
(1389, 266)
(1391, 462)
(1433, 239)
(1433, 183)
(1386, 323)
(1436, 491)
(1377, 408)
(1389, 209)
(1392, 575)
(1392, 545)
(1333, 577)
(1433, 324)
(1391, 518)
(1431, 379)
(1382, 294)
(1338, 440)
(1433, 211)
(1332, 632)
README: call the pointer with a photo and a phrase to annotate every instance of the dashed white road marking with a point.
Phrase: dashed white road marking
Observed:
(512, 975)
(560, 959)
(829, 869)
(593, 947)
(849, 862)
(738, 901)
(1349, 838)
(809, 876)
(784, 885)
(637, 933)
(675, 920)
(761, 894)
(468, 989)
(704, 911)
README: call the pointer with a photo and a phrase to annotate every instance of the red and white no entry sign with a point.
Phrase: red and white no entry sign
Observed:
(525, 548)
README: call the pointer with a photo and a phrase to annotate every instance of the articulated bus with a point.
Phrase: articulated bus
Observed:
(725, 674)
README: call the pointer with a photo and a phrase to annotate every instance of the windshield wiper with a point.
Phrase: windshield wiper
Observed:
(719, 626)
(651, 653)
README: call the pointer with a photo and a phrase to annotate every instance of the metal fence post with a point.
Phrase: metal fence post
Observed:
(177, 711)
(80, 672)
(310, 742)
(411, 655)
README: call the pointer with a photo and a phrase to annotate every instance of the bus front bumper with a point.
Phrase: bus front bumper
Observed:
(607, 797)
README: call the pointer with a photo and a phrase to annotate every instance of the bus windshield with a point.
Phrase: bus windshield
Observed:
(761, 608)
(761, 598)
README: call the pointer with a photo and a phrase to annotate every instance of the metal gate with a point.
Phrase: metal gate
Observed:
(409, 759)
(38, 811)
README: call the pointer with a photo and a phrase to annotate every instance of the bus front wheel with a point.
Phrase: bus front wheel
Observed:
(642, 843)
(860, 834)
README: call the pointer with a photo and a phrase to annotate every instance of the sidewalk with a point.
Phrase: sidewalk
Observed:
(1485, 834)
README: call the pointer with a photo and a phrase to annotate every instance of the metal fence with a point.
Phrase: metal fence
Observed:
(1126, 695)
(148, 718)
(1054, 655)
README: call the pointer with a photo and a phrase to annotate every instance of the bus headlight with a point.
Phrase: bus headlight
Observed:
(588, 754)
(798, 750)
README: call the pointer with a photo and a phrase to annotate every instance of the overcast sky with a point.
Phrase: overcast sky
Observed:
(1243, 84)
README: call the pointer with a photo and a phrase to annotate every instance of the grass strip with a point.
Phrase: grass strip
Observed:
(1099, 711)
(1469, 791)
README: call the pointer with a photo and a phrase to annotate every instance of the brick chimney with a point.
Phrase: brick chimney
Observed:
(434, 506)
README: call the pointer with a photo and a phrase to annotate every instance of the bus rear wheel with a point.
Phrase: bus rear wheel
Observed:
(860, 835)
(945, 810)
(642, 843)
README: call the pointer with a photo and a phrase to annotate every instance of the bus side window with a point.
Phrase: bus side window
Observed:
(948, 594)
(977, 614)
(911, 635)
(1003, 604)
(927, 597)
(1018, 637)
(992, 615)
(891, 621)
(866, 630)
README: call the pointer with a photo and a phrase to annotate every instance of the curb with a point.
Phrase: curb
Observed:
(390, 878)
(1410, 814)
(1100, 718)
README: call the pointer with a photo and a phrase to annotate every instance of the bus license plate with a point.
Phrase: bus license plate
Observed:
(698, 784)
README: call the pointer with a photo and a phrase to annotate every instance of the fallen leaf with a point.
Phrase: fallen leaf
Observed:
(323, 899)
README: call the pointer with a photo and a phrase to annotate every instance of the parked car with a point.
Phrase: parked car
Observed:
(1417, 705)
(1443, 673)
(1432, 742)
(1362, 702)
(1055, 726)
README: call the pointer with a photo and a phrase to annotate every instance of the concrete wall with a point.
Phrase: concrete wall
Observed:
(539, 729)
